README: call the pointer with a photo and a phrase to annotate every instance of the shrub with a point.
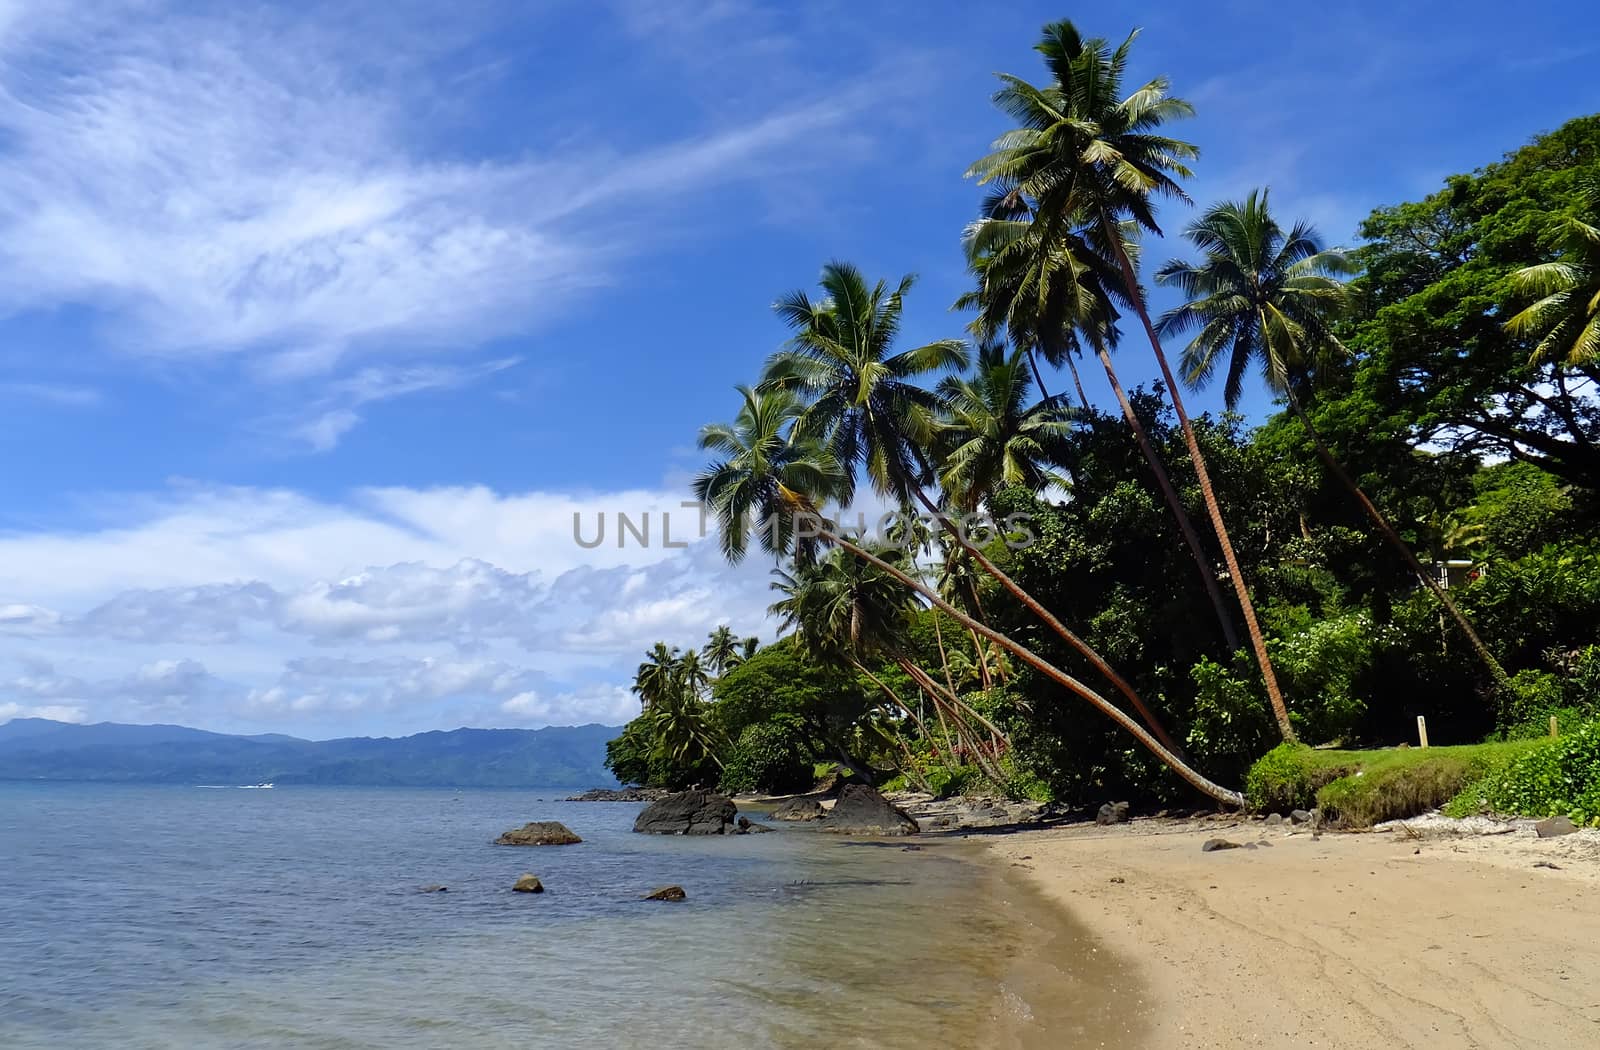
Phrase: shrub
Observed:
(1287, 777)
(771, 757)
(1558, 777)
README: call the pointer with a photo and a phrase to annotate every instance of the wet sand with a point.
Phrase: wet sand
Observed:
(1350, 941)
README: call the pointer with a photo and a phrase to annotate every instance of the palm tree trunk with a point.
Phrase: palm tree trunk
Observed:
(1191, 539)
(927, 684)
(1497, 672)
(1056, 625)
(1072, 366)
(1257, 641)
(944, 659)
(1055, 674)
(921, 727)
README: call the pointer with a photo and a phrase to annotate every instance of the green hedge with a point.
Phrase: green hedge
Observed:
(1555, 777)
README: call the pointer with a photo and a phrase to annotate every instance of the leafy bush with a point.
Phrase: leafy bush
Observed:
(1230, 723)
(1560, 776)
(1287, 777)
(770, 757)
(1319, 662)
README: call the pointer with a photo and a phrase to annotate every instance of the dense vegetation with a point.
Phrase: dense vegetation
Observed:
(1158, 600)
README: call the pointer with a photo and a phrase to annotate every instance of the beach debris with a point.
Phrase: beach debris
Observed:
(1300, 816)
(1118, 879)
(799, 809)
(1546, 864)
(1212, 845)
(860, 810)
(1113, 813)
(527, 882)
(687, 813)
(539, 833)
(1554, 827)
(666, 893)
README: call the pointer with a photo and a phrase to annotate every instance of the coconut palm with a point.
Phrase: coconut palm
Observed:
(1260, 296)
(732, 485)
(1089, 156)
(654, 678)
(861, 400)
(990, 436)
(1566, 318)
(693, 676)
(721, 651)
(683, 731)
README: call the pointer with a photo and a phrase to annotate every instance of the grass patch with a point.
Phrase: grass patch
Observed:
(1362, 788)
(1558, 777)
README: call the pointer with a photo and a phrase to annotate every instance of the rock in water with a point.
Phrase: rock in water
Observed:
(1554, 827)
(799, 809)
(527, 883)
(1112, 813)
(1212, 845)
(667, 893)
(434, 889)
(539, 833)
(687, 813)
(860, 810)
(746, 827)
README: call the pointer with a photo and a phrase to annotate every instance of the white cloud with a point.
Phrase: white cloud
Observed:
(53, 393)
(54, 712)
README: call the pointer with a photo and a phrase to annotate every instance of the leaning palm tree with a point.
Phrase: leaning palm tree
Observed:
(861, 398)
(1261, 296)
(752, 482)
(1089, 156)
(1566, 318)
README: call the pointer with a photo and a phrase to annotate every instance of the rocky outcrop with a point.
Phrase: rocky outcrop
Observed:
(435, 888)
(619, 795)
(1113, 813)
(962, 813)
(539, 833)
(687, 813)
(747, 827)
(860, 810)
(1555, 827)
(528, 883)
(667, 893)
(798, 809)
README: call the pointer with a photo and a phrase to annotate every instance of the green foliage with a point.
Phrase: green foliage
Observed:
(1362, 788)
(1555, 777)
(1230, 723)
(771, 757)
(1321, 663)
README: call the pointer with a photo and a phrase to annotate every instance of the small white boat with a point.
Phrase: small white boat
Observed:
(255, 787)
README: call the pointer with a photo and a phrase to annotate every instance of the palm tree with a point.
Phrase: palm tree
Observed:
(989, 436)
(755, 478)
(849, 612)
(722, 649)
(693, 676)
(1566, 317)
(1090, 157)
(1261, 296)
(654, 678)
(683, 732)
(861, 400)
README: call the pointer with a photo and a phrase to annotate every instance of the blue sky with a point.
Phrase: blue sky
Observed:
(318, 321)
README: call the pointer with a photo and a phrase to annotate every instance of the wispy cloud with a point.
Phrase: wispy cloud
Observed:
(53, 393)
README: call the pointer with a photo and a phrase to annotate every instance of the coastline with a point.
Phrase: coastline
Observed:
(1347, 940)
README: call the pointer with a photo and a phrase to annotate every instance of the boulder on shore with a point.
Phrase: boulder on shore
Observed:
(666, 893)
(1113, 813)
(687, 813)
(539, 833)
(799, 809)
(1555, 827)
(528, 883)
(860, 810)
(1212, 845)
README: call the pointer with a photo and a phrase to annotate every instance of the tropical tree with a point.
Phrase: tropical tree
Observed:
(654, 677)
(1090, 157)
(722, 649)
(861, 399)
(753, 477)
(1566, 318)
(1261, 296)
(988, 435)
(1042, 284)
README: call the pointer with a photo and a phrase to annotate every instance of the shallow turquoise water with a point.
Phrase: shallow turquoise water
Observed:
(188, 917)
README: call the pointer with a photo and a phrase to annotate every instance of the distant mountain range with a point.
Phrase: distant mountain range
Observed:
(557, 757)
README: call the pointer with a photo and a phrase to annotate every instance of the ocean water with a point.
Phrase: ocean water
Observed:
(140, 917)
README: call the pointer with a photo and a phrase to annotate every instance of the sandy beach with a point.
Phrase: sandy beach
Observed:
(1368, 940)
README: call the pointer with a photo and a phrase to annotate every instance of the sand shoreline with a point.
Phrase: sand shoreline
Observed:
(1349, 940)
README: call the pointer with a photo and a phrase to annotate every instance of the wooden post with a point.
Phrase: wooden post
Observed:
(1553, 726)
(1422, 730)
